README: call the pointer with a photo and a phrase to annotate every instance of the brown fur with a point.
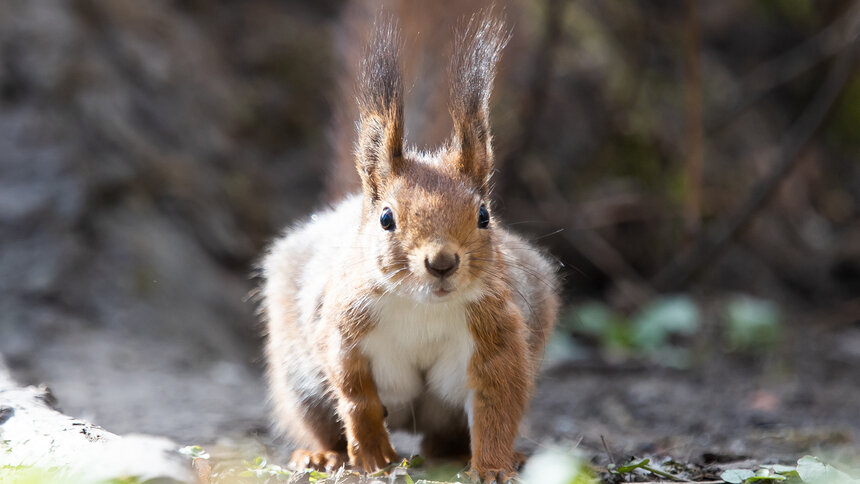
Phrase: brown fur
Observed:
(331, 283)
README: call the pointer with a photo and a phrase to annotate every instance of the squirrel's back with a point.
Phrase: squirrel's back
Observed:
(298, 263)
(295, 271)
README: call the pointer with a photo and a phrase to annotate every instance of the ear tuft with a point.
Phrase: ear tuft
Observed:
(477, 50)
(379, 151)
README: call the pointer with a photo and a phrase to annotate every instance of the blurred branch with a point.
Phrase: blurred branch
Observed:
(836, 37)
(693, 103)
(630, 284)
(786, 157)
(620, 208)
(534, 101)
(539, 181)
(842, 314)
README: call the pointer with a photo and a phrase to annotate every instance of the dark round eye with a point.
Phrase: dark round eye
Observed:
(387, 219)
(483, 218)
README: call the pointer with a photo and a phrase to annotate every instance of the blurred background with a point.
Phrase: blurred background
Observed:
(692, 165)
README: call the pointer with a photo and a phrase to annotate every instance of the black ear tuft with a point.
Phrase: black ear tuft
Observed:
(379, 151)
(477, 50)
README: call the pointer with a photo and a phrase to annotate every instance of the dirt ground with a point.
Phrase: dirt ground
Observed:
(769, 408)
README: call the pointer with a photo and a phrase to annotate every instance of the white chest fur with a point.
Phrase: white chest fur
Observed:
(415, 345)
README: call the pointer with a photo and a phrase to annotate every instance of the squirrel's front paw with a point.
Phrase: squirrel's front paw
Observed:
(492, 476)
(373, 455)
(319, 461)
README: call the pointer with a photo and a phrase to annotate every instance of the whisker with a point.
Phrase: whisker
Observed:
(526, 222)
(525, 268)
(549, 234)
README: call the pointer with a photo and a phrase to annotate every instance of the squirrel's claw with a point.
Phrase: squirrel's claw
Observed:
(492, 476)
(375, 458)
(319, 461)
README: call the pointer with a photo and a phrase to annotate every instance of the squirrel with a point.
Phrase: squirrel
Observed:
(408, 305)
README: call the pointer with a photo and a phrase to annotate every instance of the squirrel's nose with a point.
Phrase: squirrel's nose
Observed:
(442, 264)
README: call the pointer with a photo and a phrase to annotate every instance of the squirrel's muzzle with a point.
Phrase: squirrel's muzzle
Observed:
(442, 264)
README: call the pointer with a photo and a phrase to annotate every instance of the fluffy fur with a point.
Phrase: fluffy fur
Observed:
(362, 334)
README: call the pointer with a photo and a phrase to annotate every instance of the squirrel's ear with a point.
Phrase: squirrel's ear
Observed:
(379, 151)
(477, 50)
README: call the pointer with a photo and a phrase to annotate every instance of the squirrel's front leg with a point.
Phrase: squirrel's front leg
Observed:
(500, 379)
(359, 406)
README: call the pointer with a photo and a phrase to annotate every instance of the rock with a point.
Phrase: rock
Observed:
(34, 435)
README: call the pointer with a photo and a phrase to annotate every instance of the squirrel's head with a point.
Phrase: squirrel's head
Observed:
(427, 216)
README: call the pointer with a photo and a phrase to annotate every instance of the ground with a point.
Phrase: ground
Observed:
(770, 407)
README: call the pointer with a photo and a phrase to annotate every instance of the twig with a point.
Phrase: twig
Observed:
(711, 244)
(385, 470)
(658, 472)
(608, 453)
(693, 103)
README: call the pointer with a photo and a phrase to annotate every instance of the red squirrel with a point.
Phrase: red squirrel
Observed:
(408, 305)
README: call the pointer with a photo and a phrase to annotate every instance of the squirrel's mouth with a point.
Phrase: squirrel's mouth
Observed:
(442, 288)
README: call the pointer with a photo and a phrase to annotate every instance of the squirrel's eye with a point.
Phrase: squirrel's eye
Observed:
(387, 219)
(483, 218)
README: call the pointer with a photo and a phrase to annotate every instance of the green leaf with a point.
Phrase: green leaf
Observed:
(629, 467)
(773, 477)
(736, 476)
(593, 318)
(752, 323)
(316, 476)
(783, 469)
(414, 461)
(664, 317)
(194, 451)
(811, 470)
